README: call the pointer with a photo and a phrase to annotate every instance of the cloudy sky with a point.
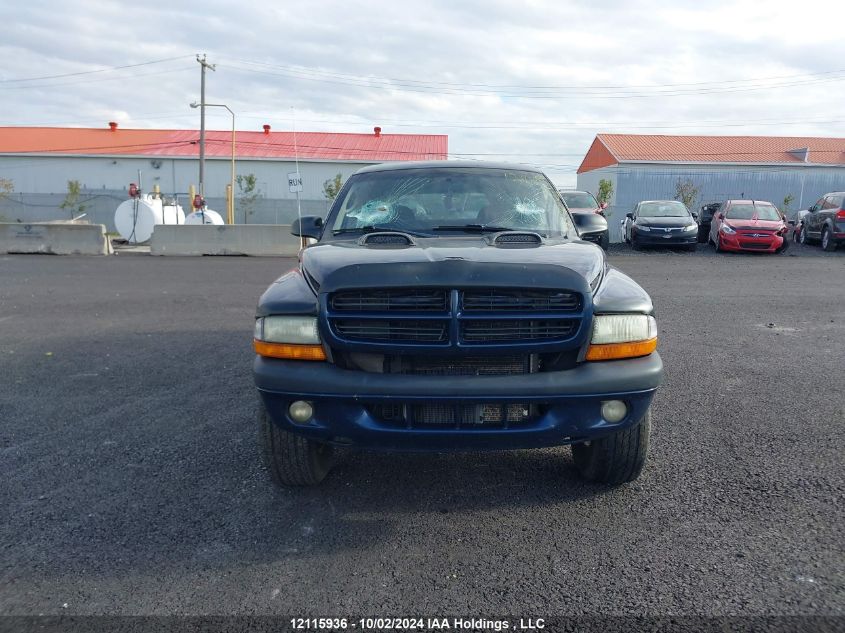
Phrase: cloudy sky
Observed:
(529, 82)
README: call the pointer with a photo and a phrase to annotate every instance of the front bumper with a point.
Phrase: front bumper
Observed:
(744, 243)
(655, 238)
(570, 403)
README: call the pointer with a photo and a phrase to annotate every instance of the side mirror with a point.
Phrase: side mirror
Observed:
(629, 216)
(694, 215)
(720, 216)
(308, 226)
(813, 209)
(603, 206)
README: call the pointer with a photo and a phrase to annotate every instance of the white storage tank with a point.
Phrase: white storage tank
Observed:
(204, 217)
(135, 218)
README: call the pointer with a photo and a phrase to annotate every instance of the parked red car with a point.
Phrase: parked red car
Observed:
(749, 225)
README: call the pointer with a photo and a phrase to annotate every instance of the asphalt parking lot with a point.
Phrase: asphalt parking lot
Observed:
(132, 482)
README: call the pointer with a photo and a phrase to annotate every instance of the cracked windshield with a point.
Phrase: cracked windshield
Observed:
(435, 200)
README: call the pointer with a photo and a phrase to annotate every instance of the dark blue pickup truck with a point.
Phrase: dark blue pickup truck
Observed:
(452, 306)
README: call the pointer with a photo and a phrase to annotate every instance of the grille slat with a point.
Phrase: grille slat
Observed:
(404, 330)
(497, 299)
(516, 330)
(390, 300)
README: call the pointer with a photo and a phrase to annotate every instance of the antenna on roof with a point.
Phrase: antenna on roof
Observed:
(298, 175)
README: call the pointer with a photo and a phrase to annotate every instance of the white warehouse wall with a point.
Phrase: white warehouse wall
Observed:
(40, 184)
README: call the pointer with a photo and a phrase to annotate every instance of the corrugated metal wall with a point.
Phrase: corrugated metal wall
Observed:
(636, 182)
(40, 185)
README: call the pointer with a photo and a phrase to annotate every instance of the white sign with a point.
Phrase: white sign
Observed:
(295, 182)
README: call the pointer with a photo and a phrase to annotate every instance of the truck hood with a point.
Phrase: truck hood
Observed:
(447, 260)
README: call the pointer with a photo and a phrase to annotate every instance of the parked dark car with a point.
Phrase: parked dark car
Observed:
(825, 222)
(705, 217)
(749, 225)
(451, 306)
(588, 214)
(661, 223)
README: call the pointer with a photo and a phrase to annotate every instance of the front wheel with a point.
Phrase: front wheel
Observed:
(828, 243)
(604, 240)
(802, 236)
(292, 459)
(796, 234)
(617, 458)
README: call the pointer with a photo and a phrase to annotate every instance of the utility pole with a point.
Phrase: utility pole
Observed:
(203, 65)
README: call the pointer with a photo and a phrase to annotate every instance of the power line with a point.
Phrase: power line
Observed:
(365, 82)
(91, 81)
(305, 69)
(101, 70)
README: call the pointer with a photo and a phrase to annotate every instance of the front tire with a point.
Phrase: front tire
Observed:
(292, 459)
(828, 243)
(615, 459)
(604, 240)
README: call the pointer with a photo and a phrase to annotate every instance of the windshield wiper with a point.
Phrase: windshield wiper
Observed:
(373, 228)
(474, 228)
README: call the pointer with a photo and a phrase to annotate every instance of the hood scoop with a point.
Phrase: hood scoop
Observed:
(386, 238)
(518, 238)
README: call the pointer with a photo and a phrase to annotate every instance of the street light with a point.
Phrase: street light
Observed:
(230, 203)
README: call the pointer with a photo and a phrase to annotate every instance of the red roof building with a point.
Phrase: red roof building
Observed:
(309, 146)
(790, 171)
(613, 149)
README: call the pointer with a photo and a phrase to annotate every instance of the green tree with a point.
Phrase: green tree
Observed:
(6, 187)
(332, 187)
(686, 192)
(605, 191)
(787, 201)
(248, 194)
(71, 202)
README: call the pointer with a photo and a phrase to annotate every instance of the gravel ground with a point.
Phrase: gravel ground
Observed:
(132, 482)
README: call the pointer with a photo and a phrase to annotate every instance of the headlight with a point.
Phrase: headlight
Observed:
(642, 227)
(300, 330)
(691, 227)
(291, 337)
(622, 336)
(727, 229)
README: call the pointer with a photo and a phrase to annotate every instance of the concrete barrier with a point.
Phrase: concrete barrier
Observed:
(54, 238)
(228, 239)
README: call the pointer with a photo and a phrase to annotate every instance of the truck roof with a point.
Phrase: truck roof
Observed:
(445, 164)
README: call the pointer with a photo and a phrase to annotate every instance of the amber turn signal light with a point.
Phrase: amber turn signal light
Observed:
(289, 351)
(613, 351)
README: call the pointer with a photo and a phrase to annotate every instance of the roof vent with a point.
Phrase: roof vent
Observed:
(266, 129)
(112, 125)
(377, 131)
(387, 239)
(518, 239)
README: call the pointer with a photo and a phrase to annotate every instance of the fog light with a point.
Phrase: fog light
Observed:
(300, 411)
(613, 410)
